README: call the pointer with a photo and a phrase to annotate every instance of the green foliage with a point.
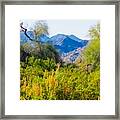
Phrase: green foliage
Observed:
(43, 77)
(39, 28)
(91, 54)
(62, 84)
(38, 50)
(32, 47)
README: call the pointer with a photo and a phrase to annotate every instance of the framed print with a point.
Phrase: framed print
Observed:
(60, 60)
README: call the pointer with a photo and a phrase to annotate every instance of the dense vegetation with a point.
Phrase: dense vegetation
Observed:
(43, 75)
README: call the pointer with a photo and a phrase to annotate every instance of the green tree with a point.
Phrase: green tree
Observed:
(39, 28)
(91, 53)
(42, 51)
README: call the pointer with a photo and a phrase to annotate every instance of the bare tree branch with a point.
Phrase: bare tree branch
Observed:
(25, 31)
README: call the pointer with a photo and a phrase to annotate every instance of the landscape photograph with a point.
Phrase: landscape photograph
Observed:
(59, 59)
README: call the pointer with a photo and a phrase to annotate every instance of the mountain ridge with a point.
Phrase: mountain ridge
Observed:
(68, 46)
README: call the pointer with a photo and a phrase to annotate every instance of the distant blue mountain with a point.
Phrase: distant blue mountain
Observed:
(23, 38)
(44, 38)
(64, 44)
(69, 44)
(57, 39)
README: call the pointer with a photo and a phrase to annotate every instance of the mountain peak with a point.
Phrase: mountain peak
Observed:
(58, 39)
(75, 38)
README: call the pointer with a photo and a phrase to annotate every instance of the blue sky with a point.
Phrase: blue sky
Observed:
(78, 28)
